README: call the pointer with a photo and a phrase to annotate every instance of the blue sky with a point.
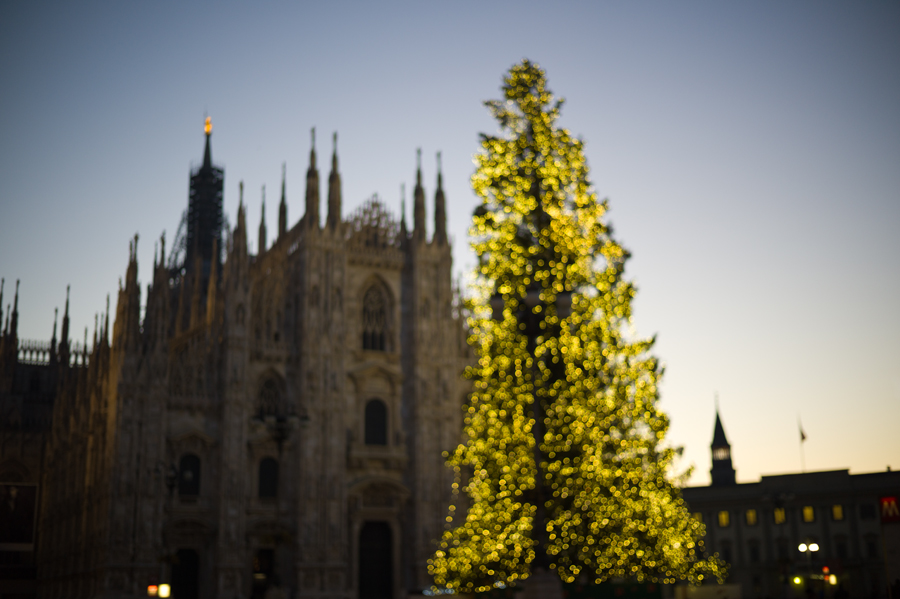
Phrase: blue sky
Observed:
(749, 152)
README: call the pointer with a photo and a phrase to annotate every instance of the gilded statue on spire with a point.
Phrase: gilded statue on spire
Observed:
(207, 128)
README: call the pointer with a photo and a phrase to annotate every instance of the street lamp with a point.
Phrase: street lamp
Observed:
(542, 583)
(808, 549)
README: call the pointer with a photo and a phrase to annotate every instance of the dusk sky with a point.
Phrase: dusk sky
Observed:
(750, 153)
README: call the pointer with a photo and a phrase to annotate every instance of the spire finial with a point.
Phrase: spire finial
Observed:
(334, 165)
(240, 194)
(55, 317)
(403, 202)
(207, 154)
(419, 166)
(440, 177)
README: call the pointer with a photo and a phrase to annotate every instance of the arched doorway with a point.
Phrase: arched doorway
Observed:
(186, 575)
(376, 563)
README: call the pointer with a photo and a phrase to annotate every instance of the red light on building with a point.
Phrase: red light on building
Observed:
(889, 510)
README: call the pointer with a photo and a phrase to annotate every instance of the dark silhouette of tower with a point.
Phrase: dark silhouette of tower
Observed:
(204, 222)
(722, 471)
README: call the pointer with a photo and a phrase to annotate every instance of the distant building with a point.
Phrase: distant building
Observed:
(758, 528)
(251, 421)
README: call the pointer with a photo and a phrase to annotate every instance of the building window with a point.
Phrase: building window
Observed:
(781, 547)
(726, 551)
(840, 545)
(867, 511)
(376, 422)
(754, 551)
(750, 517)
(809, 513)
(189, 476)
(268, 478)
(837, 512)
(374, 320)
(871, 547)
(778, 515)
(724, 519)
(699, 517)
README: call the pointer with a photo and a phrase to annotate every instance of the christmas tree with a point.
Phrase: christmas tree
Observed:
(596, 498)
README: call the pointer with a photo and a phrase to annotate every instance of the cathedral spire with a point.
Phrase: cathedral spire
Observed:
(312, 187)
(722, 472)
(106, 323)
(419, 201)
(14, 321)
(282, 207)
(2, 283)
(440, 209)
(207, 155)
(262, 224)
(54, 357)
(64, 338)
(403, 230)
(334, 190)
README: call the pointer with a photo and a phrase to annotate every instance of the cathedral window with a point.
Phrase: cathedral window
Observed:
(268, 478)
(724, 519)
(270, 402)
(376, 423)
(374, 320)
(189, 476)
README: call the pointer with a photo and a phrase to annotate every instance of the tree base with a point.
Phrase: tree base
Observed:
(543, 584)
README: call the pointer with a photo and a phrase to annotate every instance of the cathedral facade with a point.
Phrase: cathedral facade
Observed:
(267, 421)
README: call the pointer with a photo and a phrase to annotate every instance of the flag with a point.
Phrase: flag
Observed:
(802, 434)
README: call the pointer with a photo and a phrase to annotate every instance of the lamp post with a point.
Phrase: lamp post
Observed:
(542, 583)
(808, 549)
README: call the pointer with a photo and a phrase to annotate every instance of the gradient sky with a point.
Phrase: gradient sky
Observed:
(750, 153)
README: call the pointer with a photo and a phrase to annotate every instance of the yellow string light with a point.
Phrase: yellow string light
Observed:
(612, 507)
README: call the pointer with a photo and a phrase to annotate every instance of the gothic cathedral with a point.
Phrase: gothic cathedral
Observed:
(270, 421)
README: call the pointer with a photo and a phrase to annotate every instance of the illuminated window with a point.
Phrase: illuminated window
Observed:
(779, 515)
(724, 519)
(721, 453)
(809, 513)
(750, 517)
(698, 516)
(837, 512)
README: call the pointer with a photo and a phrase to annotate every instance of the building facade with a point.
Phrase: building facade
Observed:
(758, 528)
(260, 421)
